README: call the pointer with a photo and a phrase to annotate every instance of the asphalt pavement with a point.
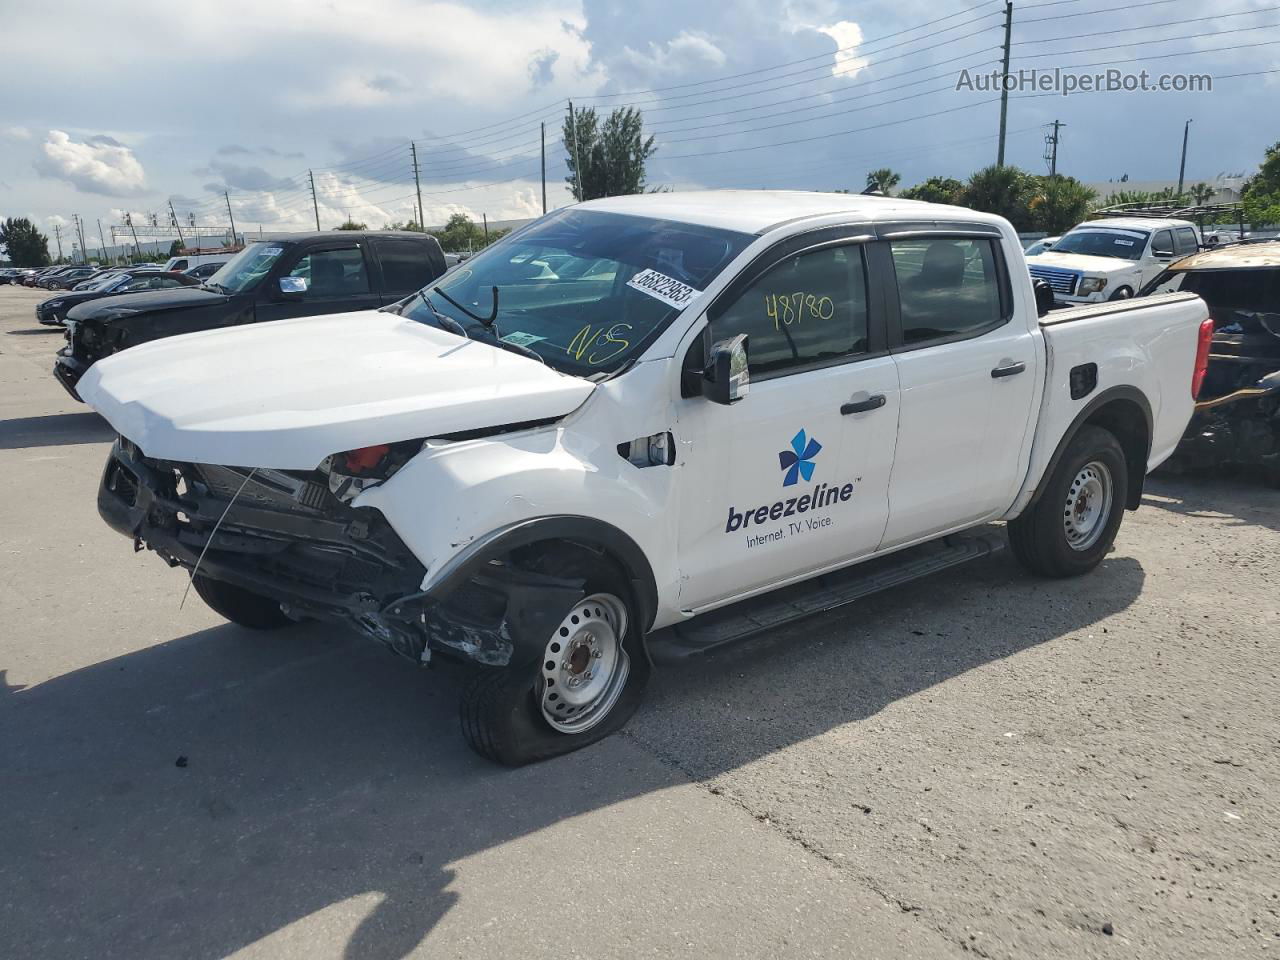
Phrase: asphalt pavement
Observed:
(982, 764)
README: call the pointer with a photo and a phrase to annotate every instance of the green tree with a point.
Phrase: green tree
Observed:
(1006, 191)
(1261, 192)
(27, 246)
(175, 248)
(935, 190)
(461, 233)
(1058, 203)
(883, 180)
(413, 226)
(1202, 193)
(350, 224)
(612, 155)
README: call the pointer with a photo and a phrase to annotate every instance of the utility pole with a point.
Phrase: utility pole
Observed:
(1051, 145)
(84, 247)
(232, 218)
(173, 218)
(315, 204)
(486, 228)
(577, 157)
(57, 235)
(544, 167)
(102, 240)
(413, 149)
(1182, 170)
(128, 219)
(1004, 79)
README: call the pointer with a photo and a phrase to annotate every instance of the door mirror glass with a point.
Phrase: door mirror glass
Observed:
(1162, 245)
(293, 286)
(726, 379)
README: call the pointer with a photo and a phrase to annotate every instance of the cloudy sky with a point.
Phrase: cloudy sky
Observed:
(111, 108)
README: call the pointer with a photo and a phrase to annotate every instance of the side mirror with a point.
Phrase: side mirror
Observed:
(292, 288)
(1044, 297)
(726, 379)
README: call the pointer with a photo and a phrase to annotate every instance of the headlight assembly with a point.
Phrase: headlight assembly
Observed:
(1093, 284)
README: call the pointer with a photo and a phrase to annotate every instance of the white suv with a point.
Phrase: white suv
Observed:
(1112, 259)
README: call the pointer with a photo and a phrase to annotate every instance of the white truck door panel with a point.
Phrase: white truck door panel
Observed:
(967, 369)
(794, 477)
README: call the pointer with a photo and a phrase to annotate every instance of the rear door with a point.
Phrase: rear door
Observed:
(1159, 256)
(336, 277)
(793, 478)
(967, 369)
(407, 266)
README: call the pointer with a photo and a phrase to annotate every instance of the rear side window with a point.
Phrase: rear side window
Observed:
(1186, 241)
(807, 309)
(947, 287)
(406, 266)
(332, 273)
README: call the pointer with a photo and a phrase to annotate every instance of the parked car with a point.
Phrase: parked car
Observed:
(205, 270)
(29, 279)
(43, 274)
(1112, 259)
(1237, 418)
(306, 275)
(1040, 246)
(693, 438)
(62, 278)
(53, 311)
(14, 275)
(186, 261)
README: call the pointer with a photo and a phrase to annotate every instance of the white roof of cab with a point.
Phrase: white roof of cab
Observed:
(755, 211)
(1146, 224)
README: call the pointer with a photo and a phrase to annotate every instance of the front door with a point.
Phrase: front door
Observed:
(793, 478)
(968, 370)
(336, 278)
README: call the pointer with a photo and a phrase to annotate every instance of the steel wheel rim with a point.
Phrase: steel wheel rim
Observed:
(584, 664)
(1088, 506)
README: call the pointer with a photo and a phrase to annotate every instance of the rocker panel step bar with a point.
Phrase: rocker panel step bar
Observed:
(827, 592)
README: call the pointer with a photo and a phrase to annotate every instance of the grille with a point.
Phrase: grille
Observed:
(1062, 281)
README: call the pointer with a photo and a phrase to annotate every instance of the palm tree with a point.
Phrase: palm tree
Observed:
(883, 180)
(1202, 193)
(1005, 191)
(1060, 203)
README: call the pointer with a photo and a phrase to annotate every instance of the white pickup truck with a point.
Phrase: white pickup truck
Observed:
(1112, 259)
(641, 427)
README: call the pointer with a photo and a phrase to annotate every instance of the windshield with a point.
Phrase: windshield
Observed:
(103, 282)
(585, 290)
(1122, 244)
(247, 267)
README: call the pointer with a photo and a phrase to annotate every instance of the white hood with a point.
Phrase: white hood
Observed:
(1091, 266)
(289, 393)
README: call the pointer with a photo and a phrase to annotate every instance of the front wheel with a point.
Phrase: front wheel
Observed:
(1072, 526)
(1124, 293)
(587, 683)
(239, 605)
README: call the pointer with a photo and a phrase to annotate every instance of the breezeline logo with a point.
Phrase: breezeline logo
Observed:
(798, 461)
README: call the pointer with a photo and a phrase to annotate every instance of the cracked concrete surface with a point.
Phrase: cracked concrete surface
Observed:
(984, 764)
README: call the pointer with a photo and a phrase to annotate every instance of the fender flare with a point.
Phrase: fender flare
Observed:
(585, 530)
(1132, 394)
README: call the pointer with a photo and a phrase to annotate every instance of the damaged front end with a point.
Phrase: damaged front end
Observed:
(293, 536)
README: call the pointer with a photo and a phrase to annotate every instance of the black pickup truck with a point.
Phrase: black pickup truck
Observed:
(299, 276)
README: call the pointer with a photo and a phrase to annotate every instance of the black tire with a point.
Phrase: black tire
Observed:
(239, 605)
(1039, 537)
(502, 716)
(1124, 293)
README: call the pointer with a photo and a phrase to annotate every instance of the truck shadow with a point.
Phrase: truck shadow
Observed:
(198, 795)
(1236, 501)
(54, 430)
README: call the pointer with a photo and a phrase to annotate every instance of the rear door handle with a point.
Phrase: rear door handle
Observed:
(862, 406)
(1012, 370)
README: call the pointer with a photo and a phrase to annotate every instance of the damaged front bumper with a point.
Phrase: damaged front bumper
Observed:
(283, 535)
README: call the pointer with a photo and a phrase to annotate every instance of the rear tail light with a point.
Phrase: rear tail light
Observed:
(1202, 358)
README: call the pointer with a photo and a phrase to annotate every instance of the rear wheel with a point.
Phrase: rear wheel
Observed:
(1072, 526)
(239, 605)
(586, 684)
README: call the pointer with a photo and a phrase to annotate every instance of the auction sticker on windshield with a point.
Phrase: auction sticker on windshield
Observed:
(520, 339)
(661, 287)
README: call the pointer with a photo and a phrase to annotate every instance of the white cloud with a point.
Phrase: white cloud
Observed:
(16, 133)
(99, 164)
(848, 37)
(685, 53)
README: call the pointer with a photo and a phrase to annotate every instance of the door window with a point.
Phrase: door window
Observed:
(1186, 238)
(808, 310)
(405, 265)
(947, 287)
(332, 273)
(1162, 244)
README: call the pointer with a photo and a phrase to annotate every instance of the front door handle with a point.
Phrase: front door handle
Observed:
(1012, 370)
(862, 406)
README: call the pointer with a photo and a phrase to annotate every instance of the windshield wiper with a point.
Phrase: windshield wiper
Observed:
(486, 322)
(445, 323)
